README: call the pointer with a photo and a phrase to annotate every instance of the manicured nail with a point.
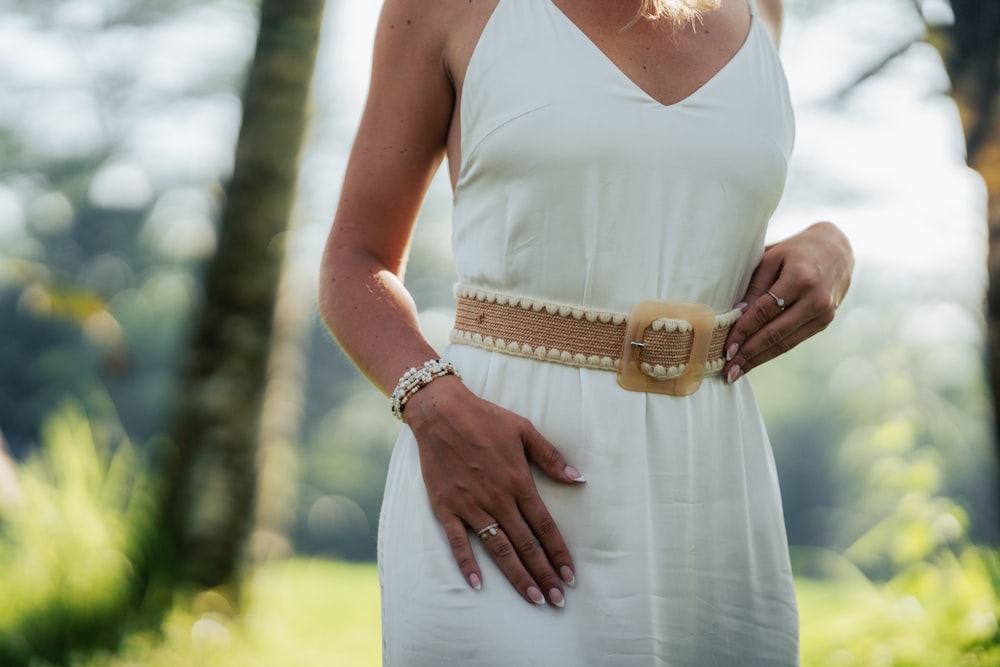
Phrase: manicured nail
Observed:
(731, 351)
(734, 374)
(742, 306)
(574, 474)
(567, 575)
(556, 597)
(475, 581)
(535, 595)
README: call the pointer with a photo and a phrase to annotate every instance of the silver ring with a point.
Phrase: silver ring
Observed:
(488, 532)
(777, 299)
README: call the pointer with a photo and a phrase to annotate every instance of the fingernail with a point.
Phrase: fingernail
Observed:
(742, 306)
(535, 595)
(567, 575)
(734, 374)
(475, 581)
(731, 351)
(574, 474)
(556, 597)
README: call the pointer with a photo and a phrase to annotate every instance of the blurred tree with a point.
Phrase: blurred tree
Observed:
(112, 143)
(970, 47)
(211, 458)
(971, 51)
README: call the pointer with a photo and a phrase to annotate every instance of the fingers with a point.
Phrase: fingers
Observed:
(548, 459)
(764, 276)
(544, 538)
(550, 542)
(773, 324)
(458, 540)
(523, 560)
(779, 335)
(528, 548)
(518, 552)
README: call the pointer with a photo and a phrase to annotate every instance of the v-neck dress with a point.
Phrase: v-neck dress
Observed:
(576, 187)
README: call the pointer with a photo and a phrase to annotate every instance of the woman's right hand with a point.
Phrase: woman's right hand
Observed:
(475, 457)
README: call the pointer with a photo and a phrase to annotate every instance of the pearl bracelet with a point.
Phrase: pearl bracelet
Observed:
(416, 379)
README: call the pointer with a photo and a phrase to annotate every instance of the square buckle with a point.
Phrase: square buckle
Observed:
(630, 373)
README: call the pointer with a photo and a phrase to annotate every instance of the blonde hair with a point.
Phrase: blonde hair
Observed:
(679, 12)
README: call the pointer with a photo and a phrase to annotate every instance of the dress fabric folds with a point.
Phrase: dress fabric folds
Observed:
(576, 187)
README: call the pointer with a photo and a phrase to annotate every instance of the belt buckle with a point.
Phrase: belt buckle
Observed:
(630, 373)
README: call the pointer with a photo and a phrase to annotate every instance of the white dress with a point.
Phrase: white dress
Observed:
(577, 187)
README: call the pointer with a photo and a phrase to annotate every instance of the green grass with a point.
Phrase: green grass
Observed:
(315, 613)
(297, 613)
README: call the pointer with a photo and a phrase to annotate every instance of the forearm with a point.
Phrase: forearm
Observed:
(371, 314)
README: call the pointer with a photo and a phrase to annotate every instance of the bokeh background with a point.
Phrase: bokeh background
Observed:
(119, 122)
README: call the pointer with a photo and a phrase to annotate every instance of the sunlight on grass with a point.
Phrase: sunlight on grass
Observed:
(335, 606)
(941, 613)
(70, 592)
(299, 613)
(313, 613)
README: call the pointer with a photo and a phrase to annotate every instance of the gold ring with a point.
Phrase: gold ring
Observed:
(777, 299)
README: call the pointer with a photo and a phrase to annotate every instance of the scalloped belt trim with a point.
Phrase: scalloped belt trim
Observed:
(575, 336)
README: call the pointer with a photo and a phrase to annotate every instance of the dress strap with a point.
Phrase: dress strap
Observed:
(753, 7)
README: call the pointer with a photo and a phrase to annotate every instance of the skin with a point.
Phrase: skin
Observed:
(475, 456)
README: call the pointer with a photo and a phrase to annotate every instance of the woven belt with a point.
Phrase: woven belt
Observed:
(659, 346)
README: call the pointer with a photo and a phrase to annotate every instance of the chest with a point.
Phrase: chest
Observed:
(666, 62)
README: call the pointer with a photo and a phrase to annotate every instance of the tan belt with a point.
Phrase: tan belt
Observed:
(659, 346)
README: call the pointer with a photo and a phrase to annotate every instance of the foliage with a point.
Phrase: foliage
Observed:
(69, 580)
(894, 416)
(941, 612)
(66, 550)
(881, 431)
(71, 577)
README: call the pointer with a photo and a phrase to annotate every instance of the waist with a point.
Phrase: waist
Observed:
(659, 346)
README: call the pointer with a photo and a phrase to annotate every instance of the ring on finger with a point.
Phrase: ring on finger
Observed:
(777, 299)
(488, 532)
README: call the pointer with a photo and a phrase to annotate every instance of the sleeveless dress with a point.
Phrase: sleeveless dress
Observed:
(576, 187)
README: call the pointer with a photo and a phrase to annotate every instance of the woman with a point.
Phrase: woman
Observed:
(602, 154)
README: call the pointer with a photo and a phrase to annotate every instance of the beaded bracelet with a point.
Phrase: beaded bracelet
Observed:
(416, 379)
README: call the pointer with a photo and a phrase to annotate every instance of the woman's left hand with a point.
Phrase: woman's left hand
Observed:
(793, 294)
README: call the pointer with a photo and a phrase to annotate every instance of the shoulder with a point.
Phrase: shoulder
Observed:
(437, 22)
(434, 29)
(413, 22)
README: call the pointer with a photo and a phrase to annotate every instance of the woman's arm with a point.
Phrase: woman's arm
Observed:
(474, 455)
(398, 147)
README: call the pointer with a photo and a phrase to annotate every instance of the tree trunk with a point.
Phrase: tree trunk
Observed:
(210, 464)
(971, 51)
